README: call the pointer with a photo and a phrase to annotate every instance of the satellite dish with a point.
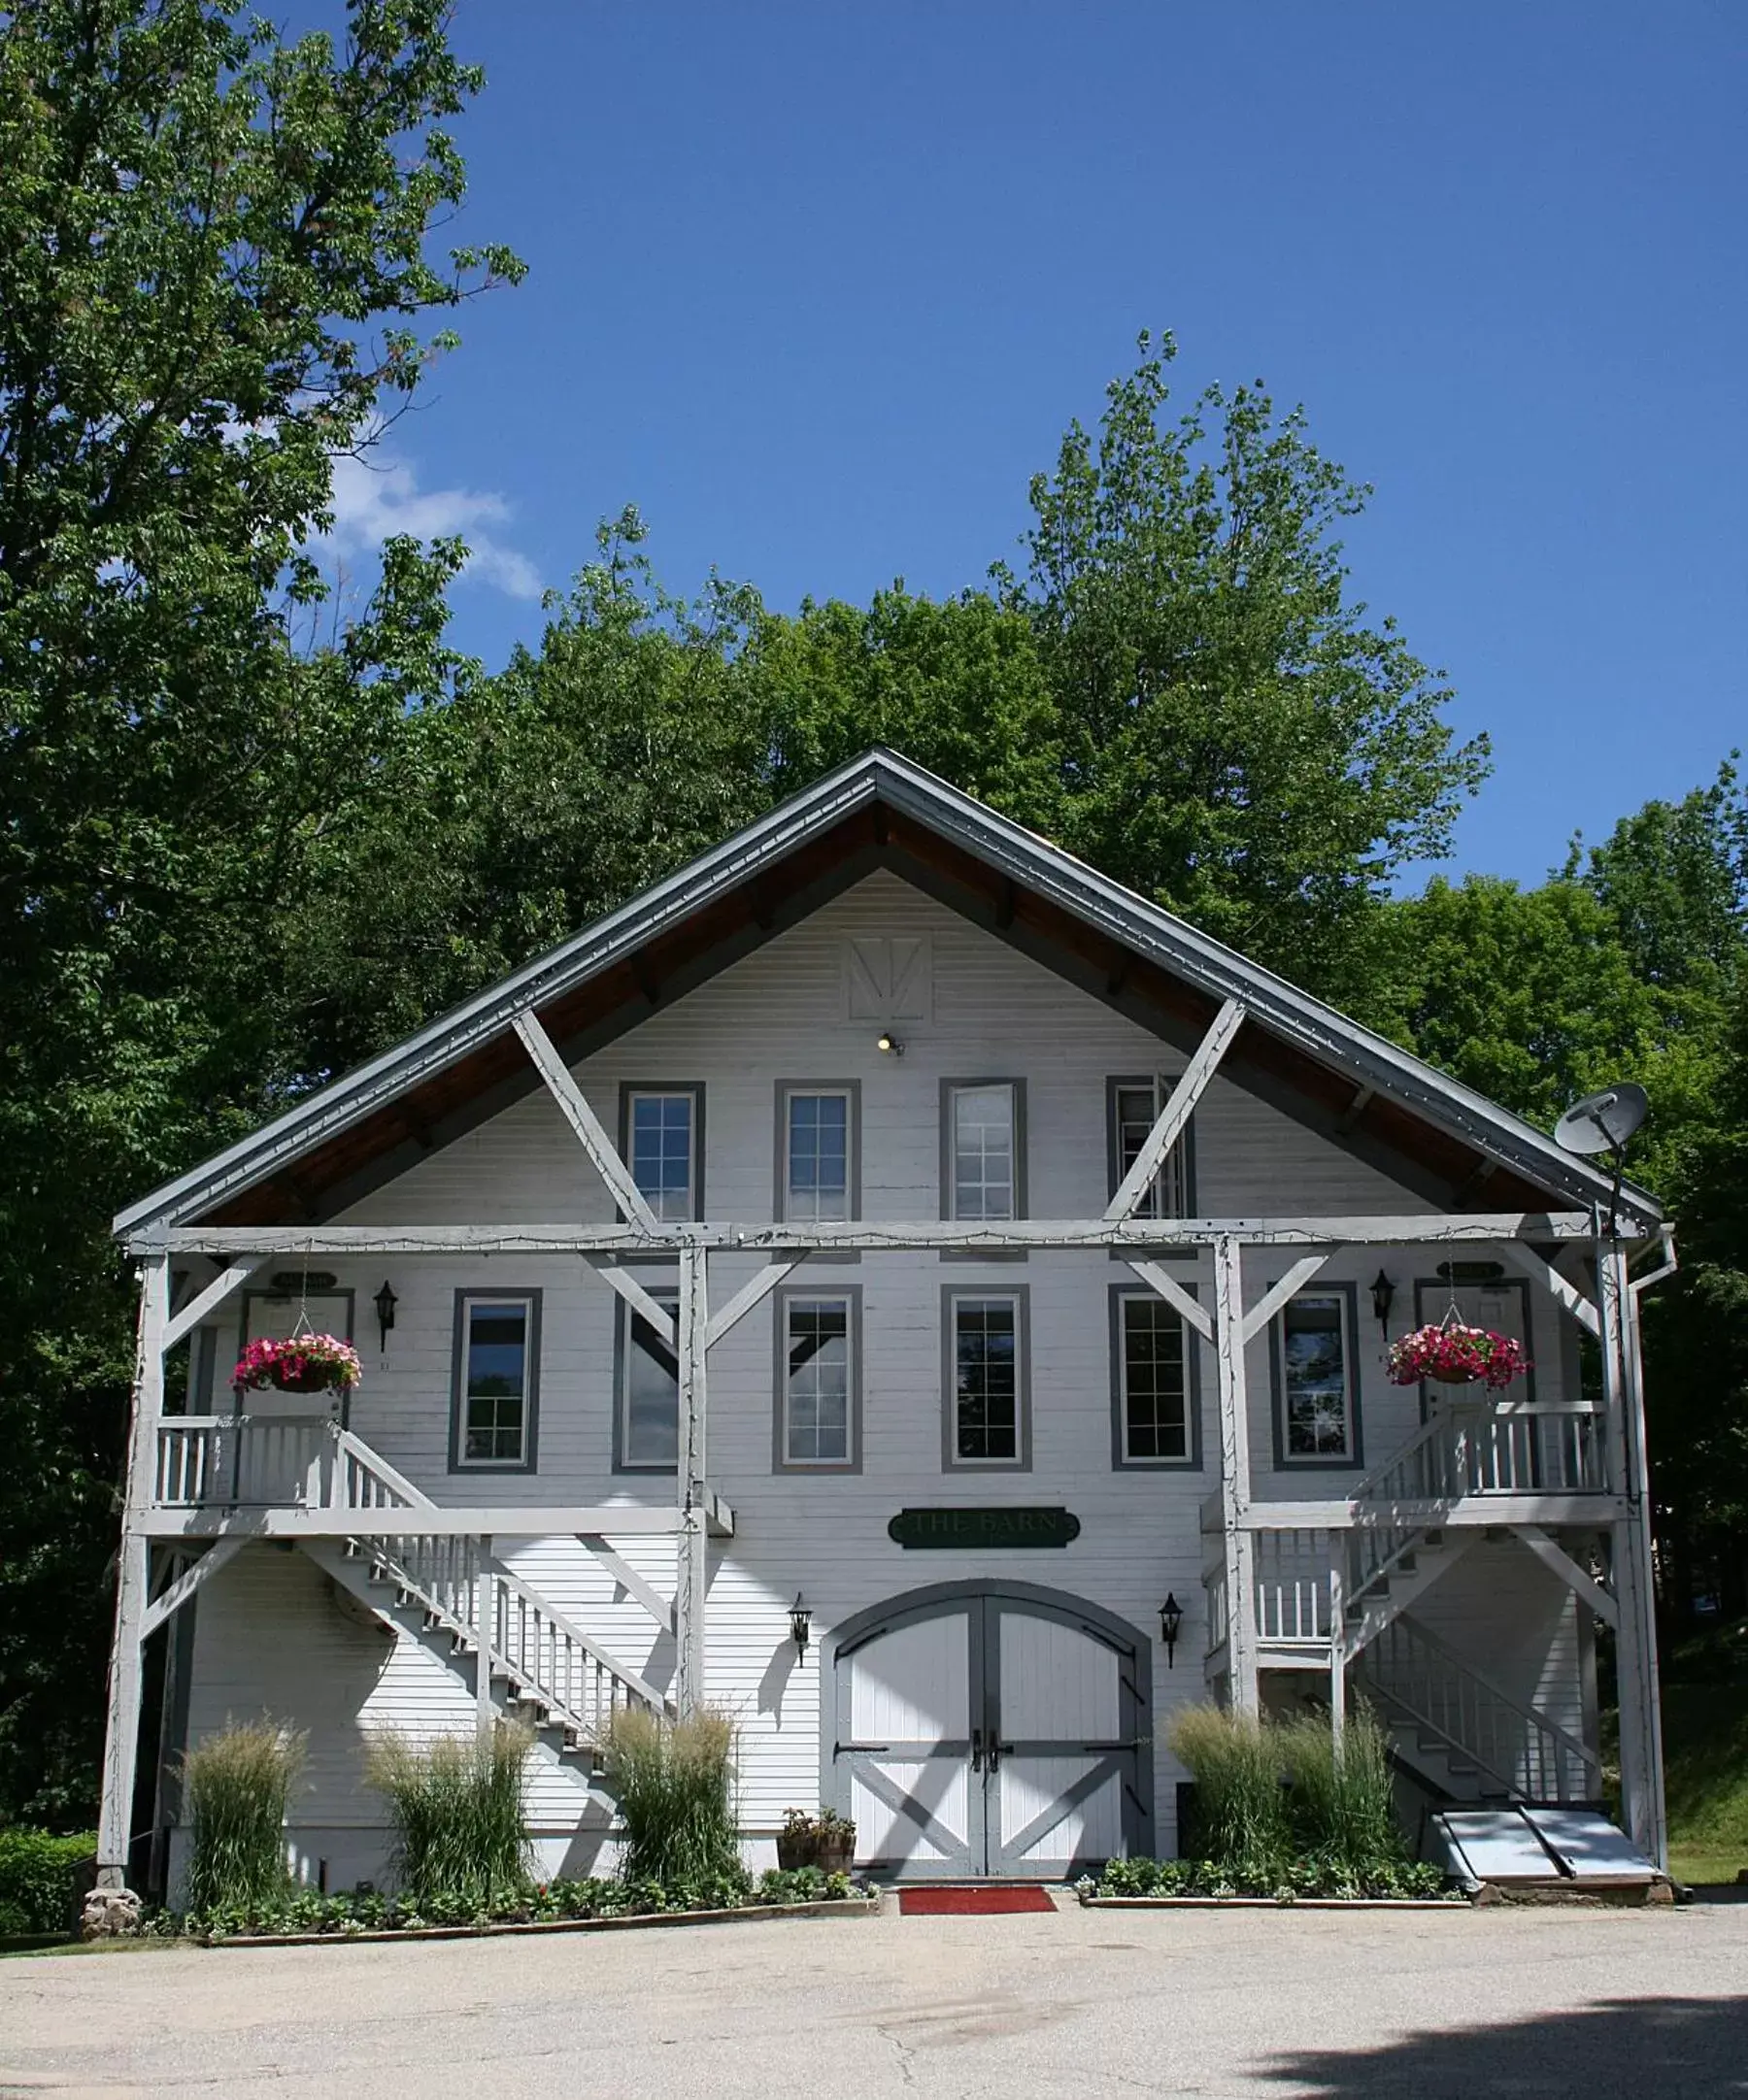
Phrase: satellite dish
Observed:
(1602, 1122)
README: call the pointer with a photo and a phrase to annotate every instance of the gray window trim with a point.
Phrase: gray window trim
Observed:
(494, 1294)
(1162, 1082)
(667, 1296)
(948, 1086)
(628, 1088)
(783, 1297)
(1021, 1293)
(1121, 1462)
(1355, 1461)
(852, 1088)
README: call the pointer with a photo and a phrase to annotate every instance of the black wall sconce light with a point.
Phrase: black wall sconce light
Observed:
(1383, 1293)
(1171, 1624)
(887, 1043)
(385, 1302)
(800, 1624)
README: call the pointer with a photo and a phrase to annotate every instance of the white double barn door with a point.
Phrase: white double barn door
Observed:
(989, 1731)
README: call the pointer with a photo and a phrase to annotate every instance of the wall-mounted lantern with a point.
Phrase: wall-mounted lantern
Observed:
(1171, 1624)
(386, 1303)
(887, 1043)
(1383, 1293)
(800, 1624)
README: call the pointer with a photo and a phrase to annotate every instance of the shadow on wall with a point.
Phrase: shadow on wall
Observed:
(1679, 2047)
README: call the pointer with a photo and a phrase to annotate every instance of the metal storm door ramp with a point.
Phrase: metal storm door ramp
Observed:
(982, 1730)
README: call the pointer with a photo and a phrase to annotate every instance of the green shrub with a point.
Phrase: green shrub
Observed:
(672, 1781)
(236, 1785)
(1342, 1801)
(40, 1876)
(1240, 1805)
(458, 1809)
(1298, 1879)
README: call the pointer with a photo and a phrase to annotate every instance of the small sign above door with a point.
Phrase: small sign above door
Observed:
(1002, 1526)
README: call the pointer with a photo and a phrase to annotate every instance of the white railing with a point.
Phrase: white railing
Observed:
(1530, 1449)
(1293, 1587)
(1422, 1683)
(241, 1461)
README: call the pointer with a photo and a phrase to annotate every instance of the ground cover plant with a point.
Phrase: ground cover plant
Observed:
(236, 1785)
(40, 1881)
(673, 1781)
(458, 1809)
(347, 1915)
(1297, 1879)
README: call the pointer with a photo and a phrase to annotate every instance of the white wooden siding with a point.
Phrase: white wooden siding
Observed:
(269, 1636)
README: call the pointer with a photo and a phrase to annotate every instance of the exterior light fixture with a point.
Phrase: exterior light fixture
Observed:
(1383, 1291)
(386, 1303)
(800, 1624)
(1171, 1624)
(887, 1043)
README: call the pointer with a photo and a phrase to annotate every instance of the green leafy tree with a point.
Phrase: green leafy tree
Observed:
(214, 266)
(1235, 738)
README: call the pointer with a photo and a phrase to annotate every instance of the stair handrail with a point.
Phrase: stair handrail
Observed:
(625, 1675)
(1371, 1486)
(348, 1444)
(1409, 1627)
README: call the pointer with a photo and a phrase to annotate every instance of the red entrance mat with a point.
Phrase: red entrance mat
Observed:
(973, 1902)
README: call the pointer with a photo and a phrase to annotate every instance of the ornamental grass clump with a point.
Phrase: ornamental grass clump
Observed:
(674, 1784)
(458, 1809)
(237, 1785)
(1240, 1803)
(1343, 1796)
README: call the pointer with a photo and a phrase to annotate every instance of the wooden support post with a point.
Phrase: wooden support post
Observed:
(485, 1626)
(1635, 1635)
(1235, 1473)
(692, 1572)
(1337, 1645)
(122, 1737)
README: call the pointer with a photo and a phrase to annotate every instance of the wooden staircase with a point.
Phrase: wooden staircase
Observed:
(454, 1595)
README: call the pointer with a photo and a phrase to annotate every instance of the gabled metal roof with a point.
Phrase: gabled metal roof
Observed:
(1033, 862)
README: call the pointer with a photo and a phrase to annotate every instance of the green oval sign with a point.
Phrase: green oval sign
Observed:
(983, 1529)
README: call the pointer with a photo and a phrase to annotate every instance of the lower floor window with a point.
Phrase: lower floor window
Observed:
(987, 1426)
(1152, 1380)
(818, 1425)
(494, 1401)
(1316, 1380)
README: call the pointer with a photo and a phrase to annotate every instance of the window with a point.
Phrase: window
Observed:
(982, 1141)
(816, 1378)
(1153, 1383)
(648, 1390)
(817, 1165)
(988, 1413)
(1132, 1108)
(660, 1132)
(497, 1357)
(1315, 1392)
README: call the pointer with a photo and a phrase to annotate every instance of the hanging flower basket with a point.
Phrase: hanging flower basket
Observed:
(306, 1363)
(1453, 1355)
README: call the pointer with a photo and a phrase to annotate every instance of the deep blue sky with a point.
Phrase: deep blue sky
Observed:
(819, 285)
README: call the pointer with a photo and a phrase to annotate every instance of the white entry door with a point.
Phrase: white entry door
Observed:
(275, 1464)
(989, 1731)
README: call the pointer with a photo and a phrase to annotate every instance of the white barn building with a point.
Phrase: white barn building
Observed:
(889, 1220)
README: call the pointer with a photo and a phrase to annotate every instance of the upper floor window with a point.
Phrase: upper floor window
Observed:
(1152, 1382)
(982, 1142)
(817, 1380)
(662, 1134)
(1132, 1108)
(987, 1411)
(1316, 1394)
(817, 1175)
(648, 1390)
(496, 1372)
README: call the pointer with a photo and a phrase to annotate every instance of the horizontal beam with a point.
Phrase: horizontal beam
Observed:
(1586, 1511)
(1428, 1228)
(500, 1521)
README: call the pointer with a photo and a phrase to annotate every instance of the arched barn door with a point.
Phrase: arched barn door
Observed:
(989, 1729)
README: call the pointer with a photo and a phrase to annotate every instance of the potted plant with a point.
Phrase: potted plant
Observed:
(825, 1841)
(1451, 1354)
(302, 1363)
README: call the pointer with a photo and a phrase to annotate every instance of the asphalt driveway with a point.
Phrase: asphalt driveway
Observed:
(1079, 2004)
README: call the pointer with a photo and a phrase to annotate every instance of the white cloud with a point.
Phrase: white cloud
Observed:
(376, 497)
